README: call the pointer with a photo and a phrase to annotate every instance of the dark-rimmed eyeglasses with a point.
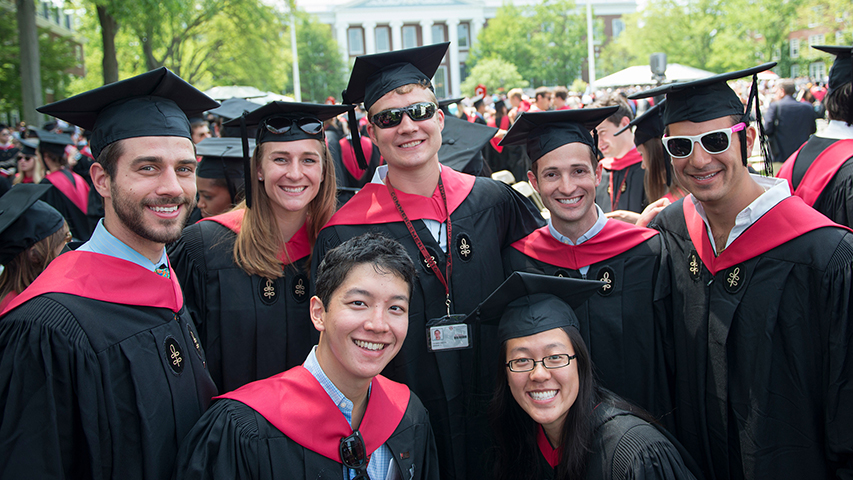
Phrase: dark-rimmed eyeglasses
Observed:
(354, 455)
(281, 125)
(714, 142)
(551, 361)
(393, 116)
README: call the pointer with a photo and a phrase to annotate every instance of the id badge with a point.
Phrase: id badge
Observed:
(449, 332)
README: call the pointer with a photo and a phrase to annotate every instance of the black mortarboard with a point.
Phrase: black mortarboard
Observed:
(527, 304)
(709, 98)
(156, 103)
(234, 107)
(375, 75)
(28, 147)
(543, 132)
(449, 101)
(58, 139)
(25, 220)
(221, 157)
(286, 111)
(462, 143)
(704, 99)
(649, 124)
(842, 68)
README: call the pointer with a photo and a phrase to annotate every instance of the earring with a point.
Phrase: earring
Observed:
(260, 178)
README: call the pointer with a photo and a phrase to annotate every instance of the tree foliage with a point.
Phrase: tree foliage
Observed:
(496, 74)
(322, 71)
(546, 42)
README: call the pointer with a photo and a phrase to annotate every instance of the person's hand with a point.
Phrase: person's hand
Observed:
(650, 212)
(626, 216)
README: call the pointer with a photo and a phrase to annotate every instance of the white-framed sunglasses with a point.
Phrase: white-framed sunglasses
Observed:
(713, 142)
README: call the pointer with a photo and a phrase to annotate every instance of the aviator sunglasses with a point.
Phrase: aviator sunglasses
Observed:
(714, 142)
(393, 116)
(281, 125)
(354, 455)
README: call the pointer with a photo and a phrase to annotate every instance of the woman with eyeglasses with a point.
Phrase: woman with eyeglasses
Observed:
(244, 273)
(32, 234)
(549, 417)
(29, 169)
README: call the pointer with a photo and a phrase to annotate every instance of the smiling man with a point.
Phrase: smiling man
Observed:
(102, 371)
(454, 224)
(333, 417)
(622, 185)
(760, 289)
(620, 323)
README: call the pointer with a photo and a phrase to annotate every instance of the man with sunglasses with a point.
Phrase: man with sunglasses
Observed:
(455, 225)
(760, 286)
(821, 171)
(619, 323)
(334, 417)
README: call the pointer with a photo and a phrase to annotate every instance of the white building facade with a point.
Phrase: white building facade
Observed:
(375, 26)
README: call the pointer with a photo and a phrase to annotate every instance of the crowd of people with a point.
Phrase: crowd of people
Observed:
(197, 290)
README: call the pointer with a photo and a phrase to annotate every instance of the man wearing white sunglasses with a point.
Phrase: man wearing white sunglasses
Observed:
(759, 292)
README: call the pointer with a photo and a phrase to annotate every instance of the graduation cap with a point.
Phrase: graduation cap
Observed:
(283, 122)
(527, 304)
(709, 98)
(449, 101)
(234, 107)
(462, 143)
(54, 143)
(544, 132)
(156, 103)
(28, 147)
(222, 158)
(649, 125)
(25, 220)
(375, 75)
(842, 68)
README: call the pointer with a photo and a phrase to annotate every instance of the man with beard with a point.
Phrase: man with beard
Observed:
(102, 371)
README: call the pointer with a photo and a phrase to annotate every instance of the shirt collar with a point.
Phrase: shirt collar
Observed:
(105, 243)
(837, 129)
(595, 230)
(382, 172)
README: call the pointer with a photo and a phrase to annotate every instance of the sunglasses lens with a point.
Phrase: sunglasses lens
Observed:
(388, 118)
(679, 147)
(421, 111)
(352, 451)
(310, 126)
(278, 124)
(716, 142)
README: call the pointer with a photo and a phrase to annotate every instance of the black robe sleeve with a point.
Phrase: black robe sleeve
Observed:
(79, 224)
(189, 265)
(836, 200)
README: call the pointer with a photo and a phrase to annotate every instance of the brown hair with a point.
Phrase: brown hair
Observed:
(837, 104)
(27, 265)
(108, 158)
(592, 158)
(259, 241)
(615, 100)
(561, 92)
(655, 179)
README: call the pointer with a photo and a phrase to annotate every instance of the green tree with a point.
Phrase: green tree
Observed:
(322, 71)
(495, 73)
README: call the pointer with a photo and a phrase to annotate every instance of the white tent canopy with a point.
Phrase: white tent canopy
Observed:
(642, 75)
(249, 93)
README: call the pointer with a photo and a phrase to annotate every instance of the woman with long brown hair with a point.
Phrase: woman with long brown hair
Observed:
(32, 234)
(245, 273)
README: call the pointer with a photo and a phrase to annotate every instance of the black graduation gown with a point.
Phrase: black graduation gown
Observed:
(455, 386)
(346, 181)
(626, 446)
(95, 389)
(626, 184)
(623, 323)
(836, 199)
(760, 344)
(233, 440)
(251, 328)
(78, 222)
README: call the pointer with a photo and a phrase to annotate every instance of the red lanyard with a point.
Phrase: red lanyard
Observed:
(614, 205)
(430, 261)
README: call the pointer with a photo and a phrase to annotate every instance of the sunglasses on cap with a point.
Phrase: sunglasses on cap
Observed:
(354, 455)
(280, 125)
(393, 116)
(714, 142)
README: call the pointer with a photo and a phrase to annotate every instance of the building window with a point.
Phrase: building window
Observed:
(839, 38)
(816, 39)
(439, 81)
(463, 72)
(795, 71)
(410, 36)
(464, 41)
(817, 71)
(383, 39)
(795, 48)
(438, 35)
(618, 26)
(356, 40)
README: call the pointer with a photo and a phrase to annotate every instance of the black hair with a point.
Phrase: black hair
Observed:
(56, 152)
(385, 254)
(838, 104)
